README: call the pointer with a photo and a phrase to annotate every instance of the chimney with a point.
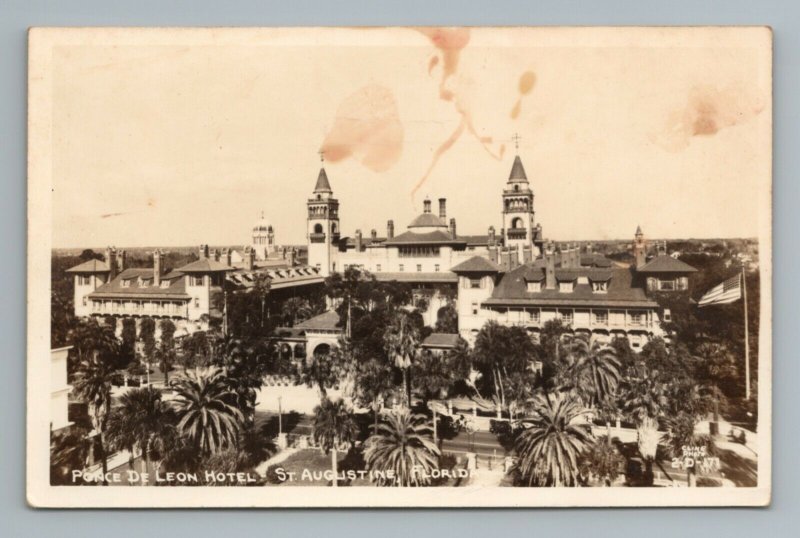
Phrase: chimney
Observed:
(576, 255)
(443, 208)
(226, 254)
(216, 254)
(589, 248)
(111, 261)
(550, 267)
(249, 258)
(492, 236)
(426, 206)
(453, 228)
(121, 260)
(390, 229)
(292, 256)
(358, 241)
(157, 269)
(203, 252)
(373, 234)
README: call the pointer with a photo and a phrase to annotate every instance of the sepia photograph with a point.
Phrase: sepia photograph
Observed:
(399, 266)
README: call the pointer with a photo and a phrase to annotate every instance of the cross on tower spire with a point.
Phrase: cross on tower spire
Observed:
(516, 139)
(321, 155)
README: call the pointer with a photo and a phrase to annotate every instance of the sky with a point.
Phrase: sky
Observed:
(179, 138)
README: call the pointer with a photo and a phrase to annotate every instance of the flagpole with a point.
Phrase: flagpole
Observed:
(746, 338)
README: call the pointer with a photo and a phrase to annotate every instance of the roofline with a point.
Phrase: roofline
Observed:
(128, 295)
(570, 302)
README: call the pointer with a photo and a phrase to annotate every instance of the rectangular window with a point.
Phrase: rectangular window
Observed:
(165, 283)
(419, 268)
(566, 317)
(85, 301)
(534, 286)
(436, 267)
(474, 283)
(600, 286)
(84, 280)
(637, 318)
(197, 281)
(378, 267)
(126, 283)
(601, 318)
(196, 302)
(474, 309)
(402, 267)
(565, 287)
(667, 315)
(533, 316)
(666, 285)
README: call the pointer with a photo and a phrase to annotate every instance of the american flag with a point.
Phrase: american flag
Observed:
(727, 292)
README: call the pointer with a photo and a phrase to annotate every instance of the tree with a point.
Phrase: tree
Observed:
(502, 353)
(402, 452)
(206, 410)
(166, 350)
(244, 364)
(602, 460)
(147, 335)
(322, 370)
(594, 371)
(334, 427)
(296, 309)
(644, 398)
(127, 348)
(196, 350)
(683, 441)
(401, 339)
(431, 373)
(92, 384)
(373, 381)
(90, 338)
(550, 445)
(139, 421)
(447, 319)
(69, 449)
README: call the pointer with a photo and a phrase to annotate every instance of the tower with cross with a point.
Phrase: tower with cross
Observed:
(323, 224)
(518, 214)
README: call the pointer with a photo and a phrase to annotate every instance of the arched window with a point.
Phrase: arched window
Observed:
(517, 223)
(318, 228)
(516, 188)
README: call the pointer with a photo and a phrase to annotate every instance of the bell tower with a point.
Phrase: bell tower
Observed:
(323, 225)
(518, 215)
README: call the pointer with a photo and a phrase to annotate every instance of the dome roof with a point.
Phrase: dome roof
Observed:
(427, 220)
(262, 225)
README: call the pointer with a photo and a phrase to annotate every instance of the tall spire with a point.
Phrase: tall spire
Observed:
(323, 185)
(517, 171)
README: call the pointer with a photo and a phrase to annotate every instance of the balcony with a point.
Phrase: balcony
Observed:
(316, 237)
(517, 233)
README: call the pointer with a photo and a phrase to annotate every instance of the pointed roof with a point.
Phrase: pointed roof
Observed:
(638, 230)
(323, 185)
(205, 265)
(517, 171)
(91, 266)
(477, 264)
(664, 263)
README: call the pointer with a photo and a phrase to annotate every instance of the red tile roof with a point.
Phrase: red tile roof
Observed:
(205, 265)
(441, 340)
(512, 290)
(115, 290)
(477, 264)
(329, 321)
(413, 276)
(91, 266)
(666, 264)
(436, 237)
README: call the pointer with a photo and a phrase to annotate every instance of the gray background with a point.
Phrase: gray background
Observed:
(18, 520)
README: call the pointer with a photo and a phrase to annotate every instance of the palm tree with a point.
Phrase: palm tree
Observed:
(206, 410)
(92, 384)
(402, 452)
(602, 460)
(643, 401)
(140, 420)
(681, 435)
(334, 427)
(550, 446)
(90, 337)
(402, 340)
(296, 309)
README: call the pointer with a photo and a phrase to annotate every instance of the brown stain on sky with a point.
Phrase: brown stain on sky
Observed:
(707, 111)
(526, 82)
(450, 42)
(366, 128)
